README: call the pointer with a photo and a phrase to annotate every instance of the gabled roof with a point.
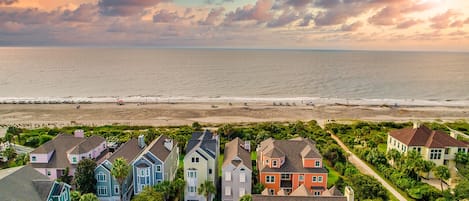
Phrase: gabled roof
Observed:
(301, 191)
(87, 144)
(423, 136)
(24, 183)
(234, 150)
(297, 198)
(293, 150)
(159, 150)
(205, 141)
(61, 144)
(333, 191)
(129, 151)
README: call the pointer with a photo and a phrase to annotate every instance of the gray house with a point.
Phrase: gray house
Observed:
(157, 163)
(200, 163)
(236, 170)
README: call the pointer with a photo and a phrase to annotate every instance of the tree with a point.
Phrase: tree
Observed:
(120, 170)
(462, 158)
(84, 176)
(177, 187)
(164, 188)
(75, 196)
(394, 156)
(461, 190)
(89, 197)
(66, 177)
(196, 126)
(207, 189)
(149, 194)
(258, 188)
(442, 173)
(246, 198)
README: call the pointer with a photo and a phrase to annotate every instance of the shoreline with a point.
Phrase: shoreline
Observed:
(212, 113)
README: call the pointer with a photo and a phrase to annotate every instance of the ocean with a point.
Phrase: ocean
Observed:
(234, 74)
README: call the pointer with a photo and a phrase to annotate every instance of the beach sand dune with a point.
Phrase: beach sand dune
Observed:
(38, 115)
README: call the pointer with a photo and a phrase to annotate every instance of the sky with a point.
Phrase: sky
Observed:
(441, 25)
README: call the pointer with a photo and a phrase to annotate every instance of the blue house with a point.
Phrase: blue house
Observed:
(157, 163)
(107, 187)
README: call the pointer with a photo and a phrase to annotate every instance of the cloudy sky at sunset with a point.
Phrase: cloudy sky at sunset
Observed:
(316, 24)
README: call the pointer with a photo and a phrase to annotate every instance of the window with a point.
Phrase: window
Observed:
(192, 174)
(192, 189)
(89, 155)
(274, 163)
(435, 154)
(301, 177)
(241, 192)
(158, 181)
(227, 176)
(227, 190)
(270, 179)
(315, 178)
(317, 164)
(447, 151)
(242, 177)
(271, 192)
(195, 159)
(48, 173)
(116, 189)
(462, 150)
(267, 162)
(320, 179)
(210, 171)
(74, 159)
(317, 193)
(143, 178)
(286, 177)
(102, 190)
(158, 168)
(101, 177)
(33, 158)
(419, 149)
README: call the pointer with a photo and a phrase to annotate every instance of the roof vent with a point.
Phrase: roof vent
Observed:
(141, 141)
(168, 144)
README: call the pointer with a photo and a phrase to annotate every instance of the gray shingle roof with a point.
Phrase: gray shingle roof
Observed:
(23, 183)
(292, 150)
(129, 151)
(87, 144)
(233, 149)
(205, 140)
(297, 198)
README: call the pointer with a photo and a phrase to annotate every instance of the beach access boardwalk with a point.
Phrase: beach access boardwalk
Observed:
(352, 158)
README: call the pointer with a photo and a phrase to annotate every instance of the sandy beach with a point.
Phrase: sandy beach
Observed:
(172, 114)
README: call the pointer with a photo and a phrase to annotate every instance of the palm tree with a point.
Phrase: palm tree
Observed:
(246, 198)
(149, 194)
(165, 188)
(394, 156)
(442, 173)
(120, 170)
(207, 189)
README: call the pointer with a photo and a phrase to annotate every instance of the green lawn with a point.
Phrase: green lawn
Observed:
(332, 176)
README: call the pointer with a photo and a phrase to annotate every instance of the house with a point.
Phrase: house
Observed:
(236, 170)
(25, 183)
(107, 187)
(284, 165)
(436, 146)
(303, 194)
(200, 163)
(54, 156)
(156, 163)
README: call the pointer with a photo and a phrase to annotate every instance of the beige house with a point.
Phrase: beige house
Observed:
(436, 146)
(236, 170)
(200, 164)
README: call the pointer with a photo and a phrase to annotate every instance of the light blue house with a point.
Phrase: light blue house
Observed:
(107, 187)
(158, 162)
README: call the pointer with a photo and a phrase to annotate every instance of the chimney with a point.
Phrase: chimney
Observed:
(247, 146)
(79, 133)
(349, 194)
(141, 142)
(168, 144)
(416, 124)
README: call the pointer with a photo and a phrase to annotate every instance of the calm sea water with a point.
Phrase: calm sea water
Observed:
(86, 72)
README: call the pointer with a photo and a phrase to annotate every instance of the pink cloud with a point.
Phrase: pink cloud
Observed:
(408, 23)
(261, 12)
(8, 2)
(352, 27)
(443, 20)
(125, 7)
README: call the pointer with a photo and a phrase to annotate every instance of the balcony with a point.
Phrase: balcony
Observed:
(286, 184)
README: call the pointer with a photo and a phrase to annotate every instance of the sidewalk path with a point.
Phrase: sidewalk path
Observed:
(367, 170)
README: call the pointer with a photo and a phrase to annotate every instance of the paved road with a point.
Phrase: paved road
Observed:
(367, 170)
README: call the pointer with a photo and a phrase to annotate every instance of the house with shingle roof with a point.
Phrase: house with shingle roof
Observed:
(236, 170)
(436, 146)
(158, 162)
(303, 194)
(201, 163)
(107, 187)
(25, 183)
(285, 165)
(54, 156)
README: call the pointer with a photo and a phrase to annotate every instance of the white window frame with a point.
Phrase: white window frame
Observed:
(158, 168)
(33, 158)
(317, 193)
(301, 177)
(227, 176)
(319, 178)
(116, 189)
(242, 177)
(317, 164)
(242, 192)
(48, 173)
(274, 163)
(315, 179)
(102, 188)
(191, 174)
(227, 190)
(269, 179)
(98, 177)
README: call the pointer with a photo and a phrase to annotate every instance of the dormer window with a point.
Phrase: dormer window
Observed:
(317, 164)
(274, 163)
(267, 162)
